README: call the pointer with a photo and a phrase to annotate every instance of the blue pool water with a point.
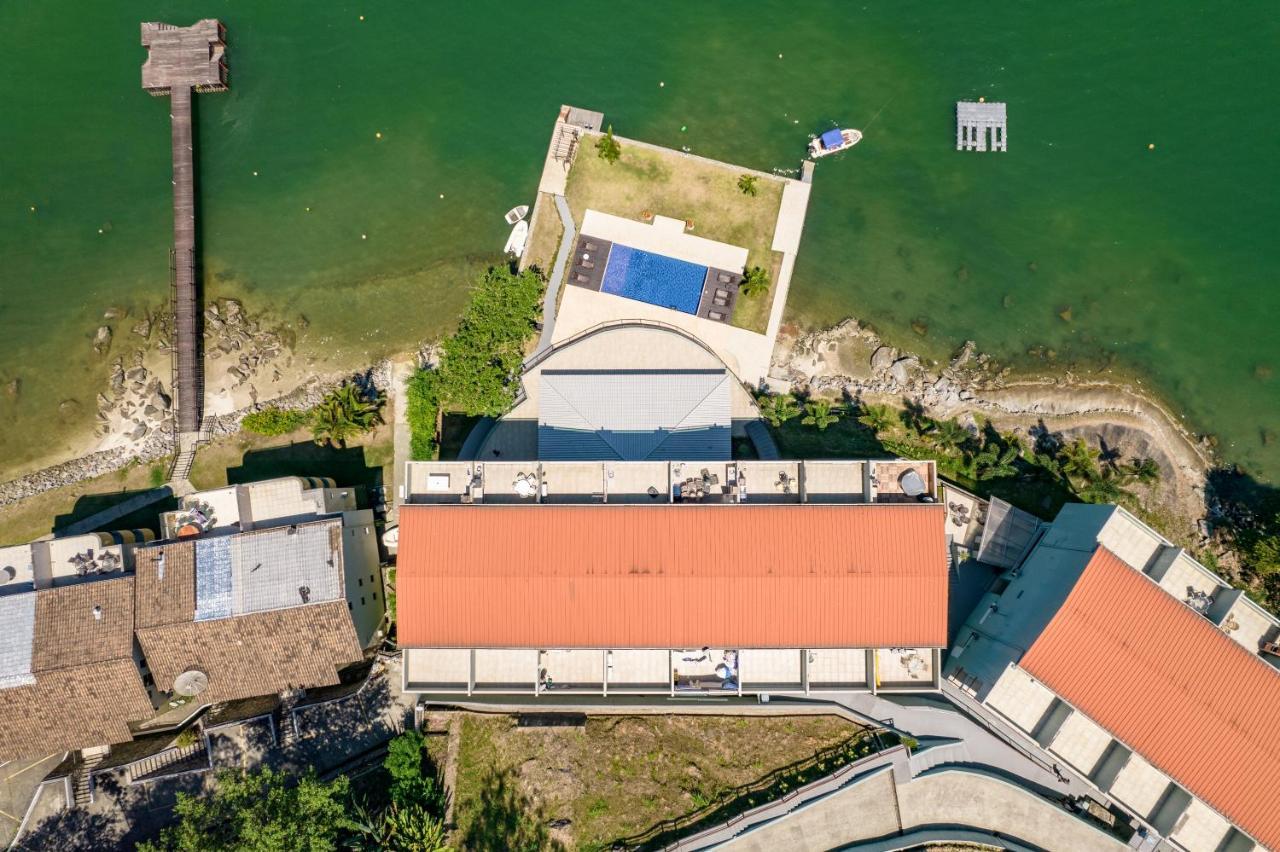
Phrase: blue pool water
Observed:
(654, 278)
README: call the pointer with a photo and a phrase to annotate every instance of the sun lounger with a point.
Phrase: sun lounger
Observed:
(715, 315)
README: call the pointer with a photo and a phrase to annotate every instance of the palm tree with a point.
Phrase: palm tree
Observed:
(1080, 460)
(345, 412)
(1101, 489)
(996, 463)
(755, 282)
(778, 409)
(747, 184)
(948, 435)
(819, 413)
(1143, 470)
(877, 418)
(607, 148)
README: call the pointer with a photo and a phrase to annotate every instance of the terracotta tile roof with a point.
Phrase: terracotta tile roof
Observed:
(598, 576)
(169, 598)
(87, 687)
(255, 654)
(72, 708)
(1171, 686)
(243, 655)
(68, 634)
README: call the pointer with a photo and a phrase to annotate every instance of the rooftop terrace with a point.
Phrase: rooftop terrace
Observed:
(740, 481)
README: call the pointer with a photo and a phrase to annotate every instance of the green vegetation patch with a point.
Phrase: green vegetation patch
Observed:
(480, 363)
(645, 182)
(620, 777)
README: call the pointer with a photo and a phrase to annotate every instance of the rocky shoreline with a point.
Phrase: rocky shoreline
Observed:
(851, 360)
(133, 423)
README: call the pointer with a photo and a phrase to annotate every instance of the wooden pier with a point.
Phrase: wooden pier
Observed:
(180, 61)
(981, 126)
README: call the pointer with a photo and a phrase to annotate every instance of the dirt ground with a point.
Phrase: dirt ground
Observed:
(617, 776)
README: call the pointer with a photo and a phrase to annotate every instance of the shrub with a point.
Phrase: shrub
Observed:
(755, 282)
(607, 148)
(273, 421)
(345, 412)
(747, 184)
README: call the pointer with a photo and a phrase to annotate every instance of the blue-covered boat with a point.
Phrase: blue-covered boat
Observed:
(833, 141)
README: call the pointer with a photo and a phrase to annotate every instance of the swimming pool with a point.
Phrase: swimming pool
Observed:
(654, 278)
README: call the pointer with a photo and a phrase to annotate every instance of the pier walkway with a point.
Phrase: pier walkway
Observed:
(181, 61)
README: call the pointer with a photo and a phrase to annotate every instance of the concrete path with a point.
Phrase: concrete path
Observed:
(98, 520)
(401, 370)
(557, 275)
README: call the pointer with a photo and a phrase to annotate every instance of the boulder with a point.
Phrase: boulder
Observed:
(138, 432)
(902, 369)
(160, 401)
(14, 388)
(114, 313)
(102, 339)
(882, 358)
(142, 328)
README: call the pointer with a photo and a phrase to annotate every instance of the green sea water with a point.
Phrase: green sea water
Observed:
(1165, 258)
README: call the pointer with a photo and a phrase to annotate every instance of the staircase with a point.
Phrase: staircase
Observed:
(184, 457)
(169, 762)
(286, 728)
(82, 777)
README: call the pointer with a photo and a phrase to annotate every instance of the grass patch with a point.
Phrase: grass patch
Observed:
(36, 516)
(668, 184)
(620, 776)
(545, 236)
(367, 459)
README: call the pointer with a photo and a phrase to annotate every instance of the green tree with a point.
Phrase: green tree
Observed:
(1263, 555)
(259, 812)
(877, 418)
(274, 421)
(755, 282)
(607, 148)
(1143, 470)
(422, 406)
(819, 413)
(996, 462)
(1101, 489)
(948, 435)
(747, 185)
(778, 408)
(1079, 460)
(345, 412)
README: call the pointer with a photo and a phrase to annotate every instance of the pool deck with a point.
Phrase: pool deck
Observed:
(748, 353)
(663, 236)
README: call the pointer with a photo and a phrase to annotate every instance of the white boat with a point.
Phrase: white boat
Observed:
(834, 141)
(519, 236)
(515, 214)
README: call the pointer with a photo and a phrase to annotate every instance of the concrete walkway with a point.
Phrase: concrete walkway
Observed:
(401, 370)
(98, 520)
(557, 276)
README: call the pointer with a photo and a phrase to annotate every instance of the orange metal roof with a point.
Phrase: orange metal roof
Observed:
(1171, 686)
(735, 576)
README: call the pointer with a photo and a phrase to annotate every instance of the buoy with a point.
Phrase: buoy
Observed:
(100, 231)
(364, 236)
(308, 209)
(255, 174)
(378, 135)
(661, 83)
(442, 195)
(1150, 147)
(982, 100)
(362, 17)
(33, 208)
(779, 55)
(683, 128)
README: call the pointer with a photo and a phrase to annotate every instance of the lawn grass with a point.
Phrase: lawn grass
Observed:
(666, 183)
(248, 457)
(36, 516)
(619, 776)
(545, 236)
